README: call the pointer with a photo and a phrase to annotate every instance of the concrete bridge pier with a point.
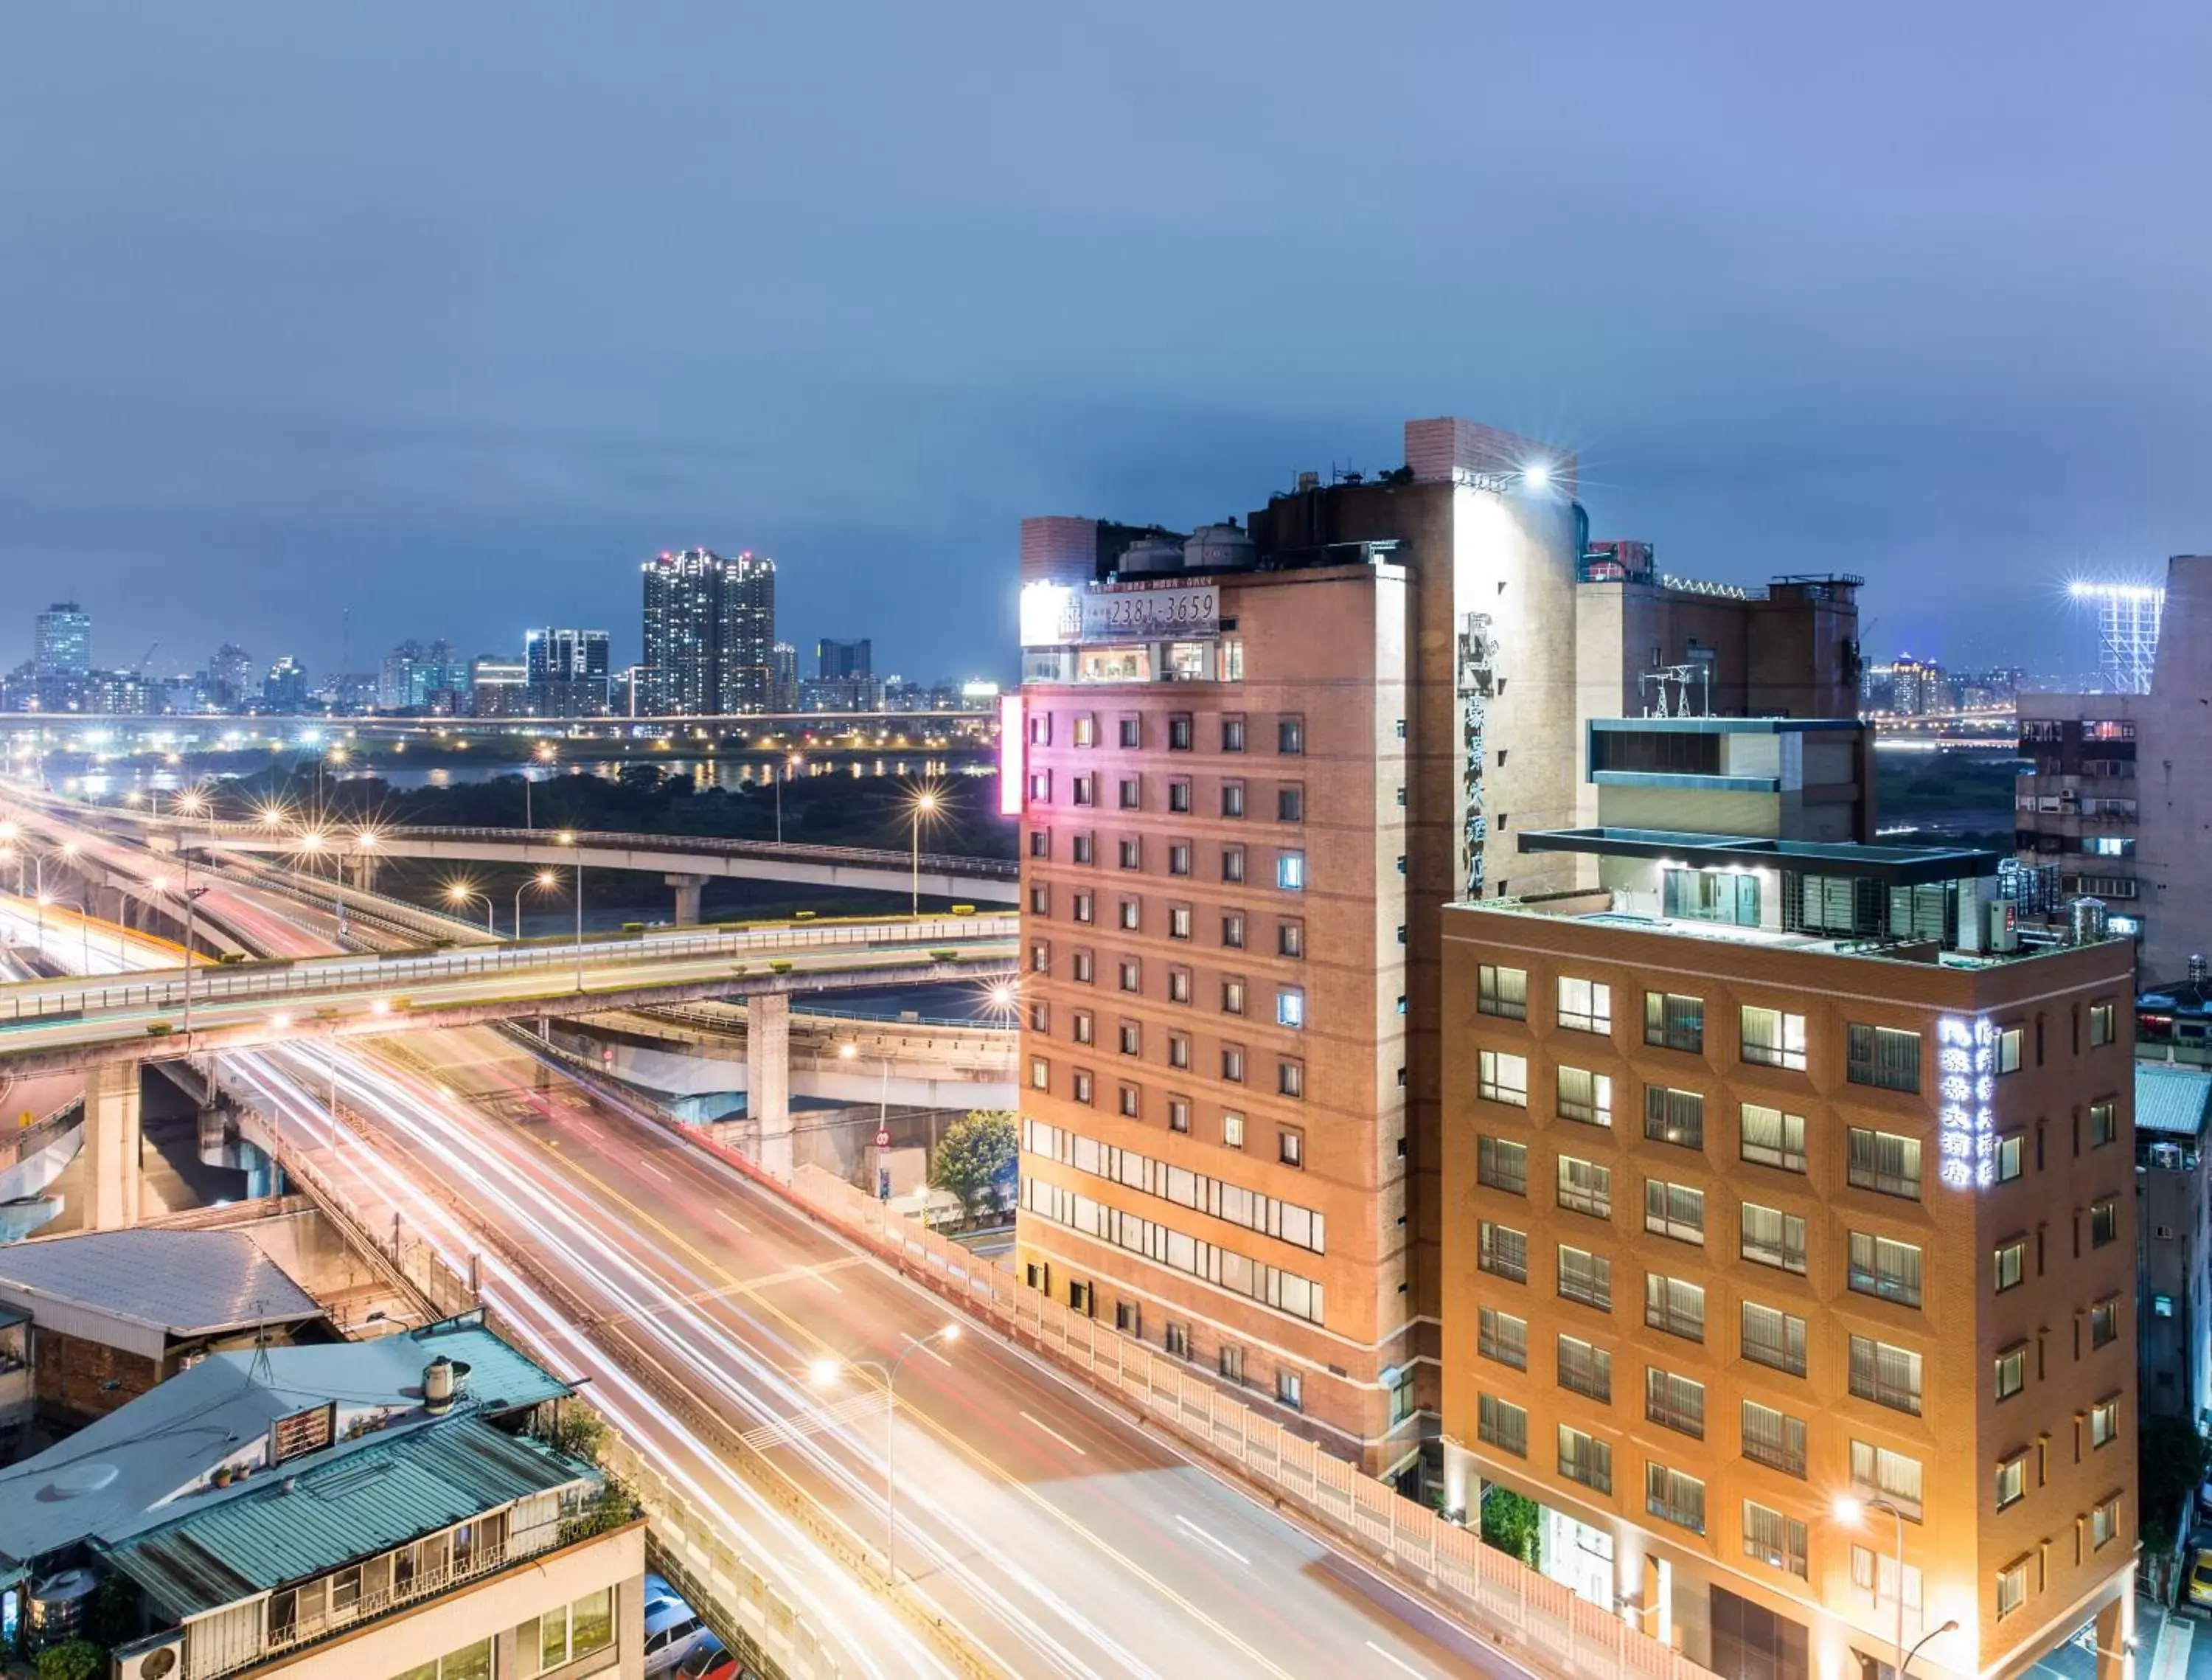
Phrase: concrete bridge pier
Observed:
(112, 1142)
(768, 1079)
(360, 872)
(688, 891)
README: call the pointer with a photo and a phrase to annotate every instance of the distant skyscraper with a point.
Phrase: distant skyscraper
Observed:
(567, 671)
(709, 632)
(62, 644)
(285, 688)
(783, 681)
(230, 675)
(835, 660)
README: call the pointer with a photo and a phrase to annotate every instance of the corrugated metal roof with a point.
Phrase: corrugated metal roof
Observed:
(119, 1475)
(183, 1282)
(2170, 1100)
(367, 1498)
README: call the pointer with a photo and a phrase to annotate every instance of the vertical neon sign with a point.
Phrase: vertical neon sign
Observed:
(1966, 1065)
(1010, 754)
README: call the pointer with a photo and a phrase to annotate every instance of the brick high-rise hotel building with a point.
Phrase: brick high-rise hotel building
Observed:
(1256, 762)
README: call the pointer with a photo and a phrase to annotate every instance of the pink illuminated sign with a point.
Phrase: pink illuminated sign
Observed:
(1010, 755)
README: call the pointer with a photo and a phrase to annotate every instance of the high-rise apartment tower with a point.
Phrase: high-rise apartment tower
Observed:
(709, 633)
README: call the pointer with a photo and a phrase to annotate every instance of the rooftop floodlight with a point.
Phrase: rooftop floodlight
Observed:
(1536, 475)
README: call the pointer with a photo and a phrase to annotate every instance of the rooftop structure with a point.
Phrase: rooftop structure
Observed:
(2128, 618)
(144, 1289)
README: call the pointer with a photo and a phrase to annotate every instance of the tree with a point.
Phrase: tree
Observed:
(1511, 1524)
(72, 1659)
(977, 1160)
(2171, 1462)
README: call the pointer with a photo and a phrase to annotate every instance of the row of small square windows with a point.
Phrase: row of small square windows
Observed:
(1181, 732)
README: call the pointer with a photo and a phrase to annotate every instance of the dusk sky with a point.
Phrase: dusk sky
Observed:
(451, 314)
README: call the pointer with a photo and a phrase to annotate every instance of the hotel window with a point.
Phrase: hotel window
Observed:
(1289, 939)
(2104, 1222)
(1674, 1210)
(1232, 996)
(1674, 1117)
(1674, 1497)
(2101, 1023)
(1769, 1237)
(1674, 1021)
(1585, 1277)
(1884, 1162)
(2104, 1322)
(1773, 1439)
(1290, 1076)
(1132, 854)
(1290, 1389)
(1232, 1064)
(1289, 802)
(1232, 864)
(1232, 1130)
(1503, 1338)
(1290, 735)
(1585, 1187)
(1883, 1057)
(1586, 1459)
(1179, 795)
(1768, 1138)
(2011, 1369)
(1585, 1005)
(1179, 731)
(1876, 1472)
(2104, 1523)
(2008, 1047)
(1887, 1375)
(1130, 1102)
(1229, 1362)
(1040, 957)
(1132, 975)
(1132, 792)
(1039, 1015)
(1874, 1573)
(1502, 1425)
(1585, 1369)
(1674, 1402)
(1232, 734)
(1081, 969)
(1884, 1268)
(1502, 1165)
(1132, 1038)
(1040, 729)
(1772, 1337)
(1084, 848)
(1290, 1147)
(2012, 1587)
(1502, 1078)
(2012, 1157)
(1773, 1039)
(1585, 1096)
(1178, 985)
(1291, 871)
(2012, 1480)
(1086, 789)
(1040, 842)
(1176, 1340)
(1178, 1050)
(1081, 1088)
(1773, 1538)
(1290, 1006)
(1086, 728)
(2010, 1264)
(1232, 930)
(1131, 732)
(1675, 1305)
(1085, 909)
(1039, 1074)
(1502, 991)
(1079, 1026)
(1040, 788)
(1178, 1114)
(1501, 1251)
(2103, 1123)
(1232, 799)
(1179, 921)
(2104, 1422)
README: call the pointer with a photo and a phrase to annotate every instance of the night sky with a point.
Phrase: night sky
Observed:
(452, 313)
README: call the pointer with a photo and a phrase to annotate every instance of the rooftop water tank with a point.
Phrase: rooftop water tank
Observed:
(1148, 557)
(58, 1605)
(1220, 548)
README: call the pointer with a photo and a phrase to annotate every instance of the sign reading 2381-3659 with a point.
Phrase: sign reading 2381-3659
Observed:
(1139, 612)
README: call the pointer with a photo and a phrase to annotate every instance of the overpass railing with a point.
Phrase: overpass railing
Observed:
(21, 1005)
(981, 869)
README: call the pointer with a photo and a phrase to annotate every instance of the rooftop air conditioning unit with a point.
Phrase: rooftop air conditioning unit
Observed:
(160, 1657)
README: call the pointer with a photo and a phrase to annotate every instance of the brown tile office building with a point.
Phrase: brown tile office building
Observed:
(1827, 1202)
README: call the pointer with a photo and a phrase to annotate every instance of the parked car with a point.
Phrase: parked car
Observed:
(709, 1660)
(669, 1638)
(2200, 1578)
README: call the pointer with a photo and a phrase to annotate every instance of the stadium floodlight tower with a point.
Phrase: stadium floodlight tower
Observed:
(2127, 619)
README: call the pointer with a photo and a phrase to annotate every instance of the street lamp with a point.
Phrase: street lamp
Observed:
(1952, 1626)
(790, 767)
(923, 804)
(544, 756)
(1850, 1511)
(567, 837)
(545, 880)
(824, 1374)
(460, 893)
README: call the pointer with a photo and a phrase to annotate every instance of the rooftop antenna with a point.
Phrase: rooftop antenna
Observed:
(260, 1371)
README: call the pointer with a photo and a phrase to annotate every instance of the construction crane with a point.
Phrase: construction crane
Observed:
(147, 657)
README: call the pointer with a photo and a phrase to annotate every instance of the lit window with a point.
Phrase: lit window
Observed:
(1771, 1038)
(1291, 871)
(1502, 991)
(1502, 1078)
(1586, 1006)
(1585, 1096)
(1290, 1006)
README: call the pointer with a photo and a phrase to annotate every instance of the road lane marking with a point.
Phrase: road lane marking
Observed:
(1396, 1662)
(726, 1214)
(665, 1178)
(1079, 1452)
(1222, 1544)
(917, 1343)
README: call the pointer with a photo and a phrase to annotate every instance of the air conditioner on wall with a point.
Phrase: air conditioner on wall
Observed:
(160, 1657)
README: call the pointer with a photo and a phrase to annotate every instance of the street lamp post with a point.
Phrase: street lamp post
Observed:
(825, 1371)
(924, 805)
(1851, 1510)
(790, 766)
(567, 837)
(1952, 1626)
(545, 879)
(458, 895)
